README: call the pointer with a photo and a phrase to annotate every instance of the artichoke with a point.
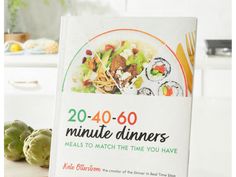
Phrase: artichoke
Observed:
(37, 147)
(14, 135)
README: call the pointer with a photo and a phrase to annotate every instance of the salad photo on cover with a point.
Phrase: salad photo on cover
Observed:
(141, 65)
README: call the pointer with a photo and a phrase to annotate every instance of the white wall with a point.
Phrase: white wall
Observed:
(42, 20)
(39, 19)
(214, 15)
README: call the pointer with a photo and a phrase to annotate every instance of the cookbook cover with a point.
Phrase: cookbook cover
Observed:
(124, 97)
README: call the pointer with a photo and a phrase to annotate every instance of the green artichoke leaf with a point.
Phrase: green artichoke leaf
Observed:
(15, 133)
(37, 147)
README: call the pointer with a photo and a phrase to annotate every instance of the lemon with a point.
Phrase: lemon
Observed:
(15, 48)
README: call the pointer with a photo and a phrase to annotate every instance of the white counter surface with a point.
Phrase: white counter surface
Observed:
(22, 169)
(44, 60)
(203, 61)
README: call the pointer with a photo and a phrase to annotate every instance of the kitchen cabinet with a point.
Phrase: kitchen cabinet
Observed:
(45, 60)
(30, 87)
(212, 74)
(217, 76)
(217, 83)
(210, 149)
(35, 110)
(30, 80)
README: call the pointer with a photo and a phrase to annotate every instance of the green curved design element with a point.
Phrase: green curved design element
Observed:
(119, 29)
(64, 80)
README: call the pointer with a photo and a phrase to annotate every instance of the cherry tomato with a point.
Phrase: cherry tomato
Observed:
(89, 52)
(109, 46)
(87, 82)
(169, 91)
(161, 68)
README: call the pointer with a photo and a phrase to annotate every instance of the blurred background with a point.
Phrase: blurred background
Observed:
(31, 44)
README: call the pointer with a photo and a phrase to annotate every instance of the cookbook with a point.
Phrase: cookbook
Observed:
(124, 97)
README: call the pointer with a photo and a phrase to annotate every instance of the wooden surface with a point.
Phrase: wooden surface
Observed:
(23, 169)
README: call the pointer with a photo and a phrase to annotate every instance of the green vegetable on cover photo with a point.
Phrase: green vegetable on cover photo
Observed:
(37, 147)
(14, 135)
(126, 59)
(92, 76)
(158, 69)
(111, 67)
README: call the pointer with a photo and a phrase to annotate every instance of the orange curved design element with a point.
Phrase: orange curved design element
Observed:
(127, 29)
(151, 35)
